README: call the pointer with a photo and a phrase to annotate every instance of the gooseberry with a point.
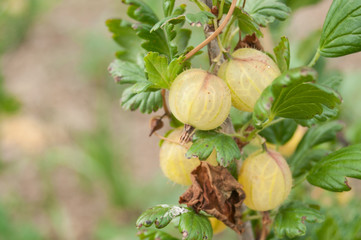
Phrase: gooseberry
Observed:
(173, 162)
(200, 99)
(247, 74)
(266, 180)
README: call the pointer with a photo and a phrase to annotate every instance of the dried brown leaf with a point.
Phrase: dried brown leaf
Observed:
(217, 192)
(250, 41)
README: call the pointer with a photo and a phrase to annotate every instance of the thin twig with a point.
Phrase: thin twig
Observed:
(167, 139)
(165, 107)
(244, 4)
(215, 34)
(266, 221)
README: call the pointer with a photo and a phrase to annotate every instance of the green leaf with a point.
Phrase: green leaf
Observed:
(156, 67)
(155, 41)
(266, 11)
(319, 134)
(168, 6)
(160, 73)
(282, 53)
(168, 20)
(300, 160)
(147, 102)
(341, 34)
(280, 132)
(160, 215)
(176, 66)
(125, 36)
(182, 39)
(141, 94)
(327, 114)
(140, 11)
(246, 23)
(332, 79)
(294, 4)
(179, 10)
(194, 226)
(176, 18)
(294, 95)
(205, 141)
(154, 234)
(142, 87)
(309, 159)
(291, 218)
(330, 173)
(126, 72)
(200, 18)
(171, 34)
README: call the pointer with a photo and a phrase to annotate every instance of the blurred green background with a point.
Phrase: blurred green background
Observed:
(73, 164)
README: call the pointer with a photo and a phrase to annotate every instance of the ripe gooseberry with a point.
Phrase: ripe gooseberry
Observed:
(174, 163)
(247, 74)
(200, 99)
(266, 180)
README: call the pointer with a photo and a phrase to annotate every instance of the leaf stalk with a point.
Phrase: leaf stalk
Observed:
(315, 58)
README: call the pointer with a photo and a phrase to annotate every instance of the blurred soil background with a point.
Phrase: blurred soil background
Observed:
(73, 164)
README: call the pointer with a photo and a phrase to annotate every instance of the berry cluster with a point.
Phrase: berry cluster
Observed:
(203, 100)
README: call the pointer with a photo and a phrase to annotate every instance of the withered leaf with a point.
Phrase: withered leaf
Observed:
(250, 41)
(217, 192)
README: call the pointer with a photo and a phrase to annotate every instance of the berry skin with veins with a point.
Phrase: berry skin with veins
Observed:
(200, 99)
(266, 180)
(247, 74)
(174, 163)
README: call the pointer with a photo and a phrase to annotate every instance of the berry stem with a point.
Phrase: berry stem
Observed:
(168, 139)
(215, 34)
(165, 107)
(266, 220)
